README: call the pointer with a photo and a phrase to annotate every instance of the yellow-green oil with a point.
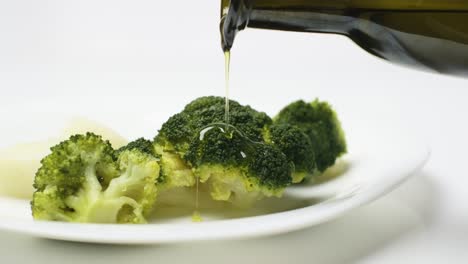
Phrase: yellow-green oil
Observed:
(196, 216)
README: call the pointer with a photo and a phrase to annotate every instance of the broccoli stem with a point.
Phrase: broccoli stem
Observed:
(103, 207)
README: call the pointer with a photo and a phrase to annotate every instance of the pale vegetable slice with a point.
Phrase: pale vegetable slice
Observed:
(19, 163)
(79, 125)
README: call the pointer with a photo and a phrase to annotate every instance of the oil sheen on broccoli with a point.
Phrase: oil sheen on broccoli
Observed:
(85, 180)
(320, 123)
(234, 160)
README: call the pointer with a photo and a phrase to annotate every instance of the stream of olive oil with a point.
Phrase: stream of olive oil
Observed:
(227, 64)
(196, 217)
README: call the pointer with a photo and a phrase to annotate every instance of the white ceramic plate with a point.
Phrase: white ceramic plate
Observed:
(380, 158)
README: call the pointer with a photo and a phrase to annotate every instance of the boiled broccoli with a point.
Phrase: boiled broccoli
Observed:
(233, 159)
(297, 147)
(237, 169)
(175, 172)
(320, 123)
(144, 145)
(85, 180)
(177, 132)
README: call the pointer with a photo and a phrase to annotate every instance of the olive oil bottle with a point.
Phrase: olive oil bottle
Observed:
(428, 34)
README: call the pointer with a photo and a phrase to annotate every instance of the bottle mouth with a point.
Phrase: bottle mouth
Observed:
(234, 18)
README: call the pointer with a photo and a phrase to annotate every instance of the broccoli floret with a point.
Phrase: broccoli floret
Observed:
(233, 159)
(297, 147)
(320, 122)
(82, 180)
(237, 169)
(144, 145)
(179, 130)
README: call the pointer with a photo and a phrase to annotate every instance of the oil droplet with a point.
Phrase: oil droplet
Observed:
(196, 217)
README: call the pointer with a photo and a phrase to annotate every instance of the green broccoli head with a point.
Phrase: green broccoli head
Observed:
(82, 180)
(297, 147)
(219, 154)
(320, 122)
(65, 167)
(179, 130)
(144, 145)
(237, 169)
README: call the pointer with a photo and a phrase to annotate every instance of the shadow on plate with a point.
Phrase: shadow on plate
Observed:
(179, 206)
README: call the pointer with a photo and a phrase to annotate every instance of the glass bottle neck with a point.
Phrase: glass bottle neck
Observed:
(429, 34)
(304, 21)
(234, 18)
(238, 14)
(326, 16)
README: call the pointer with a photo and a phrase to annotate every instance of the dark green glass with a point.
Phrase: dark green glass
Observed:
(428, 34)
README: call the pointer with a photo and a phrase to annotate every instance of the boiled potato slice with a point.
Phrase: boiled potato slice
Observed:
(80, 125)
(18, 165)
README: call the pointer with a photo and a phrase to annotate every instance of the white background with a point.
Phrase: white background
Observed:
(169, 51)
